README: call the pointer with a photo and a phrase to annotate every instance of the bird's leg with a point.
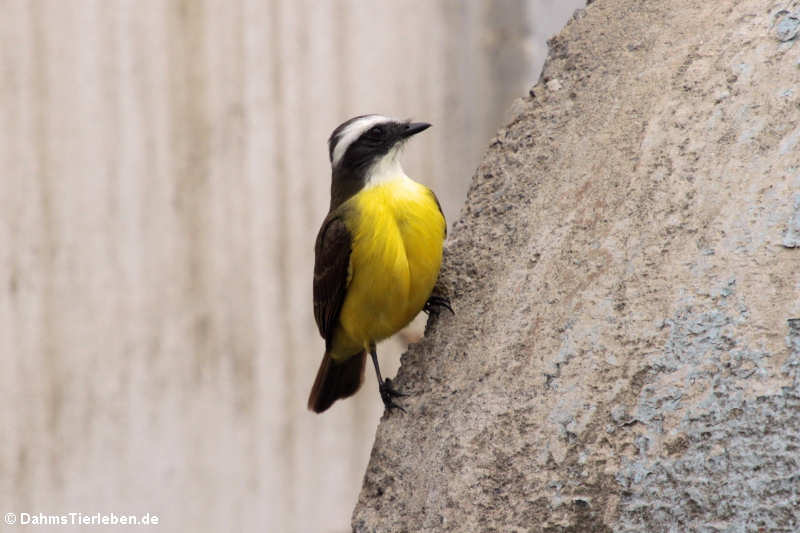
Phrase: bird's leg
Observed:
(435, 303)
(384, 385)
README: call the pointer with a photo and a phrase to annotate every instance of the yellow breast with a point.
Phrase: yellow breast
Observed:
(397, 231)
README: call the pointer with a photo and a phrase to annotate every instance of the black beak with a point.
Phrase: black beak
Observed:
(412, 128)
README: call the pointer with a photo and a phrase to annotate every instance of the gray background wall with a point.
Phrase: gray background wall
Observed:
(163, 173)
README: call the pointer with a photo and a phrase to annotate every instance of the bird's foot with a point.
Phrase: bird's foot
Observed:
(388, 393)
(436, 303)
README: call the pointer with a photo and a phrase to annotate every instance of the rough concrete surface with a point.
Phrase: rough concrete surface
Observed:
(626, 279)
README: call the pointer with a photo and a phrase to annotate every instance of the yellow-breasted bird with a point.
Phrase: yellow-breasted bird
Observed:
(377, 254)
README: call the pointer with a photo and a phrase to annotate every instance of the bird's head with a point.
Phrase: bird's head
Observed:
(363, 141)
(363, 153)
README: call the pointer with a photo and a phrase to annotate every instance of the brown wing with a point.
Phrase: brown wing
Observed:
(331, 276)
(435, 199)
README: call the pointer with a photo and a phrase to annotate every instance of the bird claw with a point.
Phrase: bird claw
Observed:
(435, 303)
(388, 393)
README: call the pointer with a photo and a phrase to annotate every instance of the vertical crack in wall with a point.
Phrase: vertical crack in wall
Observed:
(48, 247)
(284, 271)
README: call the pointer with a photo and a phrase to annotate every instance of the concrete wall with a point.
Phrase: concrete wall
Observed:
(626, 353)
(163, 173)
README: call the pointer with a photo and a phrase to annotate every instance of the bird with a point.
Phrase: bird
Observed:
(377, 254)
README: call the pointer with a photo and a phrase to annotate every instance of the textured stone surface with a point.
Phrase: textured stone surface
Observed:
(625, 354)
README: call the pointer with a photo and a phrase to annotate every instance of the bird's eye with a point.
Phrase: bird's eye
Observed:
(376, 131)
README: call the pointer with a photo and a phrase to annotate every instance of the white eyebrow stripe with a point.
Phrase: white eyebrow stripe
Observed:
(353, 132)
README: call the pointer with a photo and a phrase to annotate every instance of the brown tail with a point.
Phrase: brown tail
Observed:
(336, 380)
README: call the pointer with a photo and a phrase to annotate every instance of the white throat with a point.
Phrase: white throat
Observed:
(385, 169)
